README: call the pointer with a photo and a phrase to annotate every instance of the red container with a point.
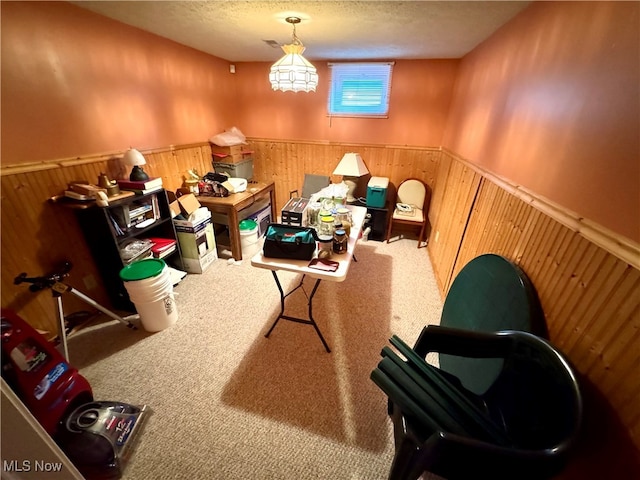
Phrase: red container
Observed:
(39, 374)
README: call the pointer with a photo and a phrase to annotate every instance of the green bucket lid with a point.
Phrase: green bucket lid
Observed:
(147, 268)
(248, 224)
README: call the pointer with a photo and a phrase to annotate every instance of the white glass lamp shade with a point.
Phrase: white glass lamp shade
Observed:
(293, 72)
(133, 157)
(351, 167)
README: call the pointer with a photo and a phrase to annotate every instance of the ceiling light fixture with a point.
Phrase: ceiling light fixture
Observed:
(293, 72)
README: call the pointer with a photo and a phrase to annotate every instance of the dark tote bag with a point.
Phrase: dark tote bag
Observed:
(288, 241)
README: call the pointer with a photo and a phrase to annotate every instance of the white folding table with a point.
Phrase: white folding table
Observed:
(302, 266)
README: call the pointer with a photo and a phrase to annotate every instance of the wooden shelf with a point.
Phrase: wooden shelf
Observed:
(108, 229)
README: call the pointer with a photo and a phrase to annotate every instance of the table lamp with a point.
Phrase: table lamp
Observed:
(351, 167)
(134, 158)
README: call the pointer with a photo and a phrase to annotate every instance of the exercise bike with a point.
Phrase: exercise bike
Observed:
(54, 281)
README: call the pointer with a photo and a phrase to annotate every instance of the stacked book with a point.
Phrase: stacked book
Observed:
(162, 247)
(141, 186)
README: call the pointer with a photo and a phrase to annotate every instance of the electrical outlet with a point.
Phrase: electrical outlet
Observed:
(89, 282)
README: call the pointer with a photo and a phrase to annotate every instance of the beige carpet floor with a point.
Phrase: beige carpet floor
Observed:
(228, 403)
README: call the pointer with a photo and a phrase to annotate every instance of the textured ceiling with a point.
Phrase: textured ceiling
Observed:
(347, 30)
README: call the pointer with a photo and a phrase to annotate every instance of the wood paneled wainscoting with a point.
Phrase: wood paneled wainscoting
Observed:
(588, 281)
(37, 234)
(286, 162)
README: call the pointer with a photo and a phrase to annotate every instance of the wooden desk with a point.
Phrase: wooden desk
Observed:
(230, 207)
(302, 266)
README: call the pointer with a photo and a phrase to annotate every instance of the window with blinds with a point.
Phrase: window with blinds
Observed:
(360, 89)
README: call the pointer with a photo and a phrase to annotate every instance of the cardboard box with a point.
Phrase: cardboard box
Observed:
(263, 219)
(197, 243)
(231, 154)
(238, 158)
(174, 206)
(188, 204)
(293, 212)
(175, 209)
(199, 265)
(227, 150)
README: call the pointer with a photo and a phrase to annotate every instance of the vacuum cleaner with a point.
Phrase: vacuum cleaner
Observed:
(97, 436)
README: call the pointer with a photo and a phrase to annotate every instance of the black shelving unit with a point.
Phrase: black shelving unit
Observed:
(108, 230)
(378, 222)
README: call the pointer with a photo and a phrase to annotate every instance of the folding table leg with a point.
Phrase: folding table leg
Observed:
(310, 321)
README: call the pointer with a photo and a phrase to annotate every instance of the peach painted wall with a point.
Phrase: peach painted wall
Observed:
(75, 83)
(551, 102)
(418, 107)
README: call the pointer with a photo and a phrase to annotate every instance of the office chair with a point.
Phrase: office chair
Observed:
(312, 184)
(411, 207)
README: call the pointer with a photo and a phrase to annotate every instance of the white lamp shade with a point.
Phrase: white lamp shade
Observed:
(351, 165)
(293, 72)
(133, 157)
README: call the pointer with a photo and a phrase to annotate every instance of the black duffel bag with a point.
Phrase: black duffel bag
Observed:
(288, 241)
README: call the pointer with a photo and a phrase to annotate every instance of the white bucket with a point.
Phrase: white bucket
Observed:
(151, 296)
(149, 285)
(157, 308)
(249, 237)
(154, 299)
(159, 314)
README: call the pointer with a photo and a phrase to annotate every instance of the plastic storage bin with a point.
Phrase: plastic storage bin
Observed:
(248, 237)
(377, 192)
(243, 169)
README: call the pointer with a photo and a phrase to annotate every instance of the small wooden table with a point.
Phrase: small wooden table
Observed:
(230, 207)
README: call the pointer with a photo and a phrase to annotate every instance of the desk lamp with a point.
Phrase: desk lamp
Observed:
(133, 157)
(351, 167)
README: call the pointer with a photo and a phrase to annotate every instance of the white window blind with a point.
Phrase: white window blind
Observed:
(360, 89)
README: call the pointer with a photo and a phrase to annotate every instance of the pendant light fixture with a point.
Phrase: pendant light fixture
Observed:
(293, 72)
